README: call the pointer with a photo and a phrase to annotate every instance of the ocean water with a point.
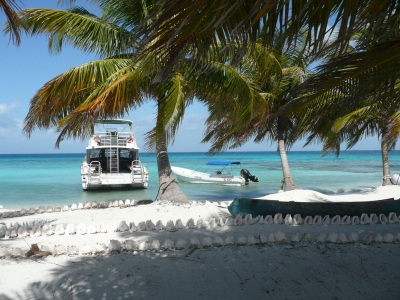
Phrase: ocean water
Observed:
(48, 179)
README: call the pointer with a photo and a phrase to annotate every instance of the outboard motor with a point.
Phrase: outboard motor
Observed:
(247, 176)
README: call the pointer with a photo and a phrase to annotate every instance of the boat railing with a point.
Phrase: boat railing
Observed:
(112, 138)
(94, 171)
(137, 164)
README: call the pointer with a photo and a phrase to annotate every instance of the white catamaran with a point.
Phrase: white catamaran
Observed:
(112, 158)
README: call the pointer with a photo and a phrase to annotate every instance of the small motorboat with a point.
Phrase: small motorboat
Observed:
(220, 176)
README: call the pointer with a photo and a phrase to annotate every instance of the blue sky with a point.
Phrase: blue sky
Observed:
(26, 68)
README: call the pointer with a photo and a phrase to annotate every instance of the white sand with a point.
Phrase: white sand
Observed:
(284, 270)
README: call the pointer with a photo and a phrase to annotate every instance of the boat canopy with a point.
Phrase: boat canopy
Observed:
(118, 121)
(222, 163)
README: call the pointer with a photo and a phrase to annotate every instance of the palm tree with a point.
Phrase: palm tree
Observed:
(106, 88)
(270, 74)
(11, 9)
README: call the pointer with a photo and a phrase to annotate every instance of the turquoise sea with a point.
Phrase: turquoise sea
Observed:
(48, 179)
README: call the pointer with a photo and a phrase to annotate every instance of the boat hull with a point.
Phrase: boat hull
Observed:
(187, 175)
(257, 207)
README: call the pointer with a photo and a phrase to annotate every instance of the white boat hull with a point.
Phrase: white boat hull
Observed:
(187, 175)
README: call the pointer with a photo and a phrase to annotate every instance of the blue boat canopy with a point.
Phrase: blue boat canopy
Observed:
(222, 163)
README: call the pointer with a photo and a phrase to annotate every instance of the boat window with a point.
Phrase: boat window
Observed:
(94, 153)
(111, 152)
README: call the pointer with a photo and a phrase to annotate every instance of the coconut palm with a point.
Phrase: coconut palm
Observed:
(106, 88)
(271, 74)
(11, 9)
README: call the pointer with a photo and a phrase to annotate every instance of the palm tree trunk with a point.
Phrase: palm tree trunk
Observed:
(385, 158)
(169, 189)
(287, 178)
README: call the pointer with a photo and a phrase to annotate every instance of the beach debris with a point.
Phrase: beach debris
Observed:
(82, 230)
(179, 225)
(388, 238)
(377, 238)
(297, 220)
(355, 220)
(123, 226)
(238, 221)
(31, 211)
(159, 225)
(115, 203)
(112, 226)
(229, 222)
(59, 230)
(367, 239)
(121, 203)
(49, 209)
(295, 238)
(307, 237)
(346, 220)
(280, 237)
(70, 229)
(332, 238)
(271, 238)
(168, 244)
(110, 204)
(373, 218)
(127, 203)
(131, 245)
(23, 212)
(392, 218)
(13, 233)
(190, 224)
(194, 242)
(383, 219)
(308, 220)
(251, 241)
(342, 239)
(321, 238)
(72, 250)
(57, 208)
(114, 246)
(74, 207)
(103, 204)
(170, 226)
(353, 237)
(263, 238)
(94, 204)
(207, 242)
(6, 214)
(16, 252)
(144, 246)
(181, 244)
(150, 225)
(155, 245)
(288, 219)
(317, 221)
(336, 220)
(38, 232)
(42, 209)
(269, 220)
(278, 219)
(199, 223)
(88, 205)
(80, 205)
(59, 250)
(3, 253)
(218, 241)
(248, 219)
(86, 249)
(100, 248)
(326, 220)
(241, 241)
(364, 220)
(229, 240)
(65, 208)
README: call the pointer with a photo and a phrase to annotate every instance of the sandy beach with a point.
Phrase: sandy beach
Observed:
(284, 268)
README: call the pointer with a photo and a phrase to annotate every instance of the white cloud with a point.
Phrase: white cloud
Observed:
(7, 108)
